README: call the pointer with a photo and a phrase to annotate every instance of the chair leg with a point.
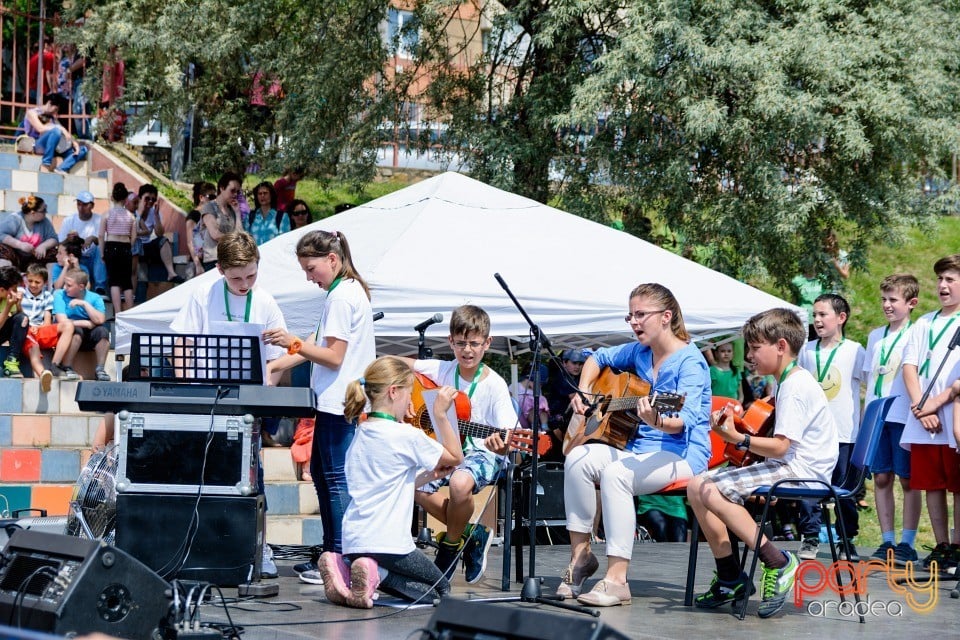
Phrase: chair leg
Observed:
(844, 540)
(692, 563)
(756, 555)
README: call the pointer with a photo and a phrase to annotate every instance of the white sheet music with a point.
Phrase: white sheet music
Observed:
(429, 395)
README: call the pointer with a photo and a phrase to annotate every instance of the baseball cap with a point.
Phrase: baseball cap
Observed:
(574, 355)
(85, 197)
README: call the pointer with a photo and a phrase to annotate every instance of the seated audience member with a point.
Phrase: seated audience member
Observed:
(88, 314)
(203, 192)
(264, 222)
(13, 322)
(50, 138)
(68, 257)
(151, 242)
(28, 236)
(664, 517)
(299, 213)
(37, 304)
(85, 225)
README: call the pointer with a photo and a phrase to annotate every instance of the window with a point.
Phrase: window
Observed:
(403, 32)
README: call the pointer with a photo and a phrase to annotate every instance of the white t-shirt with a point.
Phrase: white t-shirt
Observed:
(206, 304)
(490, 403)
(917, 352)
(347, 316)
(381, 469)
(891, 344)
(83, 228)
(803, 416)
(840, 381)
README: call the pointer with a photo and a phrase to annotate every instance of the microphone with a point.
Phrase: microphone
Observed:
(955, 340)
(434, 319)
(378, 316)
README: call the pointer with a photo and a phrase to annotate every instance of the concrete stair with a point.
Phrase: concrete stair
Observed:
(20, 176)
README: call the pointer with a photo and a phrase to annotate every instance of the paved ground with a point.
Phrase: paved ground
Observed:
(657, 583)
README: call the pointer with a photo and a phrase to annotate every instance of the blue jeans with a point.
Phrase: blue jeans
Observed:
(95, 266)
(332, 436)
(810, 510)
(47, 145)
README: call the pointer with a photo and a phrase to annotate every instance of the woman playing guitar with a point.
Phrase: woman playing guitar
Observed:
(664, 449)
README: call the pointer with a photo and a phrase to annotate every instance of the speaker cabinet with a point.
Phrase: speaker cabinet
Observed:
(463, 620)
(549, 491)
(224, 550)
(67, 586)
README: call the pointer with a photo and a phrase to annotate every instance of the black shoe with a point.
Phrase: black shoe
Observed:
(720, 593)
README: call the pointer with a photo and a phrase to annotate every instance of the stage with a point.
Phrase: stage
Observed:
(657, 575)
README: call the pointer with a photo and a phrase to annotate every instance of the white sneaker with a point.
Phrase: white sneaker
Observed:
(268, 568)
(311, 577)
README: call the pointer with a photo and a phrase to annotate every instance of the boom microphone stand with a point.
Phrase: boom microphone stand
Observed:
(531, 591)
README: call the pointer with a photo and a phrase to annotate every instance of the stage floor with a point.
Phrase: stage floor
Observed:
(657, 575)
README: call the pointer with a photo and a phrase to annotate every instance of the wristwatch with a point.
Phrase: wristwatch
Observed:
(745, 445)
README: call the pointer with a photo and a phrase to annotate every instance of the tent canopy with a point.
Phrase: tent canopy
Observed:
(437, 244)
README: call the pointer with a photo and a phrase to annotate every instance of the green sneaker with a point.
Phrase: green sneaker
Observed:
(720, 593)
(11, 367)
(775, 585)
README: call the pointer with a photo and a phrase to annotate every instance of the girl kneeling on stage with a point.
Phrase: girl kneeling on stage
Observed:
(382, 468)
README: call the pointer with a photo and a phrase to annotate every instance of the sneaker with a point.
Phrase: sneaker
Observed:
(335, 577)
(313, 576)
(475, 553)
(447, 556)
(938, 554)
(46, 380)
(808, 549)
(881, 552)
(67, 373)
(606, 594)
(364, 580)
(11, 367)
(952, 561)
(720, 593)
(573, 577)
(268, 568)
(842, 548)
(904, 554)
(102, 375)
(306, 566)
(775, 585)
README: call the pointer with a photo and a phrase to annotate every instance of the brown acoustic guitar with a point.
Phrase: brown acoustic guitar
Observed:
(613, 419)
(758, 420)
(520, 439)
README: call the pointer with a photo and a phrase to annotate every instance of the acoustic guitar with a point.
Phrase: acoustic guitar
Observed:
(613, 418)
(758, 420)
(521, 439)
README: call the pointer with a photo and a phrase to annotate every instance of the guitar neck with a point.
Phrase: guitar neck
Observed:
(623, 403)
(477, 430)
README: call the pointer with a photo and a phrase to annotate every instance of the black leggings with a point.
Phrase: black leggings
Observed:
(15, 330)
(411, 577)
(663, 527)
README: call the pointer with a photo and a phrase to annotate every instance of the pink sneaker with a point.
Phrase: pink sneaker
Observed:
(364, 580)
(336, 577)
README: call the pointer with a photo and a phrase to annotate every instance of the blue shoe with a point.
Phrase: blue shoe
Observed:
(306, 566)
(475, 553)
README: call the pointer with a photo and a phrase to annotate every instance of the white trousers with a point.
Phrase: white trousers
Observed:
(620, 476)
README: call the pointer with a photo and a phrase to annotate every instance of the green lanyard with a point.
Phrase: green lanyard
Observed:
(473, 385)
(381, 414)
(783, 376)
(823, 374)
(932, 342)
(226, 303)
(885, 357)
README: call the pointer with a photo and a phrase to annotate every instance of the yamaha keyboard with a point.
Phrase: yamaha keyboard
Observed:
(196, 398)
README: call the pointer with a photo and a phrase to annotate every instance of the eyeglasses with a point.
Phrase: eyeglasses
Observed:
(300, 212)
(463, 344)
(640, 316)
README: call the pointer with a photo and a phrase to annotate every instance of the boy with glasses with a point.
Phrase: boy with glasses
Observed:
(490, 404)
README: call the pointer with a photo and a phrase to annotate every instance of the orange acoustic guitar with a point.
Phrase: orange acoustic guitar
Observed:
(519, 438)
(757, 421)
(614, 419)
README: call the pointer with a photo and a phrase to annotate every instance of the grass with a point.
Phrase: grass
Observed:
(323, 199)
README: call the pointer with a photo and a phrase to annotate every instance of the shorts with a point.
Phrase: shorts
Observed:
(89, 338)
(45, 337)
(151, 250)
(483, 465)
(737, 484)
(935, 467)
(890, 455)
(119, 263)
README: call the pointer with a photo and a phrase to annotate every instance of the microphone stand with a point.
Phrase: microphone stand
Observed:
(954, 341)
(532, 591)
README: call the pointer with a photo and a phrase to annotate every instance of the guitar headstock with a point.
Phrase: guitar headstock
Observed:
(522, 440)
(667, 403)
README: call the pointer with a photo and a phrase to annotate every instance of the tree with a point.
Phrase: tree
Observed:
(752, 128)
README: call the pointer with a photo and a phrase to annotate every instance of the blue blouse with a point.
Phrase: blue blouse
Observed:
(684, 372)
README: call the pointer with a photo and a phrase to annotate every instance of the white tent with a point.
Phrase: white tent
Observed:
(437, 244)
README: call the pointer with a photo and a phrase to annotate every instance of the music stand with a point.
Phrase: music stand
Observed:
(532, 591)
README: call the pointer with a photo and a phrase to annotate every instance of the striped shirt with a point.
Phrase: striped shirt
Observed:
(120, 222)
(35, 306)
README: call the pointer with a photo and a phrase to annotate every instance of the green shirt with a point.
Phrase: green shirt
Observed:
(724, 383)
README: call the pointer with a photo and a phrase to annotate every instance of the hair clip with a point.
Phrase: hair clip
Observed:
(362, 381)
